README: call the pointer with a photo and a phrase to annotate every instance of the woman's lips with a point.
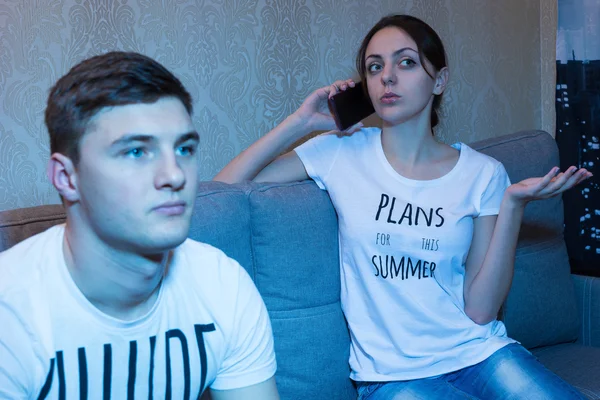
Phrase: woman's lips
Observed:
(389, 98)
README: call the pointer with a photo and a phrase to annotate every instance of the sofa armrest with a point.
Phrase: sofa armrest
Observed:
(587, 290)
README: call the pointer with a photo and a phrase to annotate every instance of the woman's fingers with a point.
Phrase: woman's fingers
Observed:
(343, 85)
(585, 176)
(339, 86)
(567, 180)
(549, 177)
(561, 179)
(351, 130)
(578, 177)
(355, 127)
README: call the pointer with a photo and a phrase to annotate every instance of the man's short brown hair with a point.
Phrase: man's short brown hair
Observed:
(108, 80)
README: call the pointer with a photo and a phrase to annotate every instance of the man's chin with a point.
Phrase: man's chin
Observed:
(163, 243)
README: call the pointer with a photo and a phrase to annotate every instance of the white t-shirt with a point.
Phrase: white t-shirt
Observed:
(403, 248)
(208, 328)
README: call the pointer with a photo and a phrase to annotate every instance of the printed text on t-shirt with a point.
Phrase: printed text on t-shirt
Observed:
(404, 267)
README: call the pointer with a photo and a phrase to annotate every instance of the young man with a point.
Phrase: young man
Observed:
(117, 301)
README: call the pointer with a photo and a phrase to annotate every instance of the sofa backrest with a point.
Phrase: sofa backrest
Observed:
(19, 224)
(285, 236)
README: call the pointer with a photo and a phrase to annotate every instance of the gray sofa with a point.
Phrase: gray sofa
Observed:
(285, 235)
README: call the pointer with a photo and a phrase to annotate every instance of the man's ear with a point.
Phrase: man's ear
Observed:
(61, 172)
(441, 80)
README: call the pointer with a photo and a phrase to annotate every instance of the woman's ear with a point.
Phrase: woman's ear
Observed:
(63, 175)
(441, 80)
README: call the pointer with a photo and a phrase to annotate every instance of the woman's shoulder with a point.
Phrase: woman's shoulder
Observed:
(477, 158)
(343, 140)
(367, 133)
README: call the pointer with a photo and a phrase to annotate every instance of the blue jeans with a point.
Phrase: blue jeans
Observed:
(510, 373)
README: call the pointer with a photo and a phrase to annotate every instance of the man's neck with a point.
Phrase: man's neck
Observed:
(122, 284)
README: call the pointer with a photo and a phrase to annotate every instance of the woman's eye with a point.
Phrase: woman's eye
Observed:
(407, 62)
(374, 68)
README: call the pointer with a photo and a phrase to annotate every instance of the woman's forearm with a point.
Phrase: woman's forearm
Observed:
(255, 158)
(489, 288)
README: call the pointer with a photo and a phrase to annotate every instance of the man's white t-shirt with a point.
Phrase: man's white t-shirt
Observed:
(208, 328)
(403, 248)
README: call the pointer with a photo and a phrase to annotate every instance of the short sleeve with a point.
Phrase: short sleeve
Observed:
(494, 192)
(250, 358)
(318, 156)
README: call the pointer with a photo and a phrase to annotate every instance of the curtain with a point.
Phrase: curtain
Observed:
(578, 126)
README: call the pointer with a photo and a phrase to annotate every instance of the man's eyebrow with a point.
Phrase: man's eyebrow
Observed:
(134, 137)
(396, 53)
(188, 136)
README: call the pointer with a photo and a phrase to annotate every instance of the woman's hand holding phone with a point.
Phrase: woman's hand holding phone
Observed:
(315, 111)
(263, 161)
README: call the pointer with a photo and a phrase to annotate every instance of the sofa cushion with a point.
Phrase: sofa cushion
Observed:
(285, 236)
(222, 219)
(587, 289)
(295, 246)
(21, 223)
(541, 307)
(576, 364)
(312, 347)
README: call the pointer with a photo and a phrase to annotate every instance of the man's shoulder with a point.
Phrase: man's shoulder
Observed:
(208, 262)
(51, 235)
(204, 273)
(202, 252)
(27, 284)
(22, 265)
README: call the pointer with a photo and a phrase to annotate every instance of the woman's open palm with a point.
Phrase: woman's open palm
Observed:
(552, 184)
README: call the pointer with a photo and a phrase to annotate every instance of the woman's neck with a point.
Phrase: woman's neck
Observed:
(414, 153)
(410, 141)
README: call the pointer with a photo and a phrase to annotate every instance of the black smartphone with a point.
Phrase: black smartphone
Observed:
(350, 106)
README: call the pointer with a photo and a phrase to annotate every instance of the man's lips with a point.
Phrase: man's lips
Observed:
(171, 208)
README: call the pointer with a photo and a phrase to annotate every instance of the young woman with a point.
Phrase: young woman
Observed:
(427, 231)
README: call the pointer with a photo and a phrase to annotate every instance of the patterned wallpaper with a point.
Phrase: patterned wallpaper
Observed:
(249, 63)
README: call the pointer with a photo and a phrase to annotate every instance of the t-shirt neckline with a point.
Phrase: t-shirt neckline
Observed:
(94, 312)
(461, 147)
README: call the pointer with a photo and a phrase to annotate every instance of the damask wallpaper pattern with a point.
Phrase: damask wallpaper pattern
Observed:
(249, 63)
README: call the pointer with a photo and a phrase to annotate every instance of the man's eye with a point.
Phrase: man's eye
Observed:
(135, 152)
(187, 150)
